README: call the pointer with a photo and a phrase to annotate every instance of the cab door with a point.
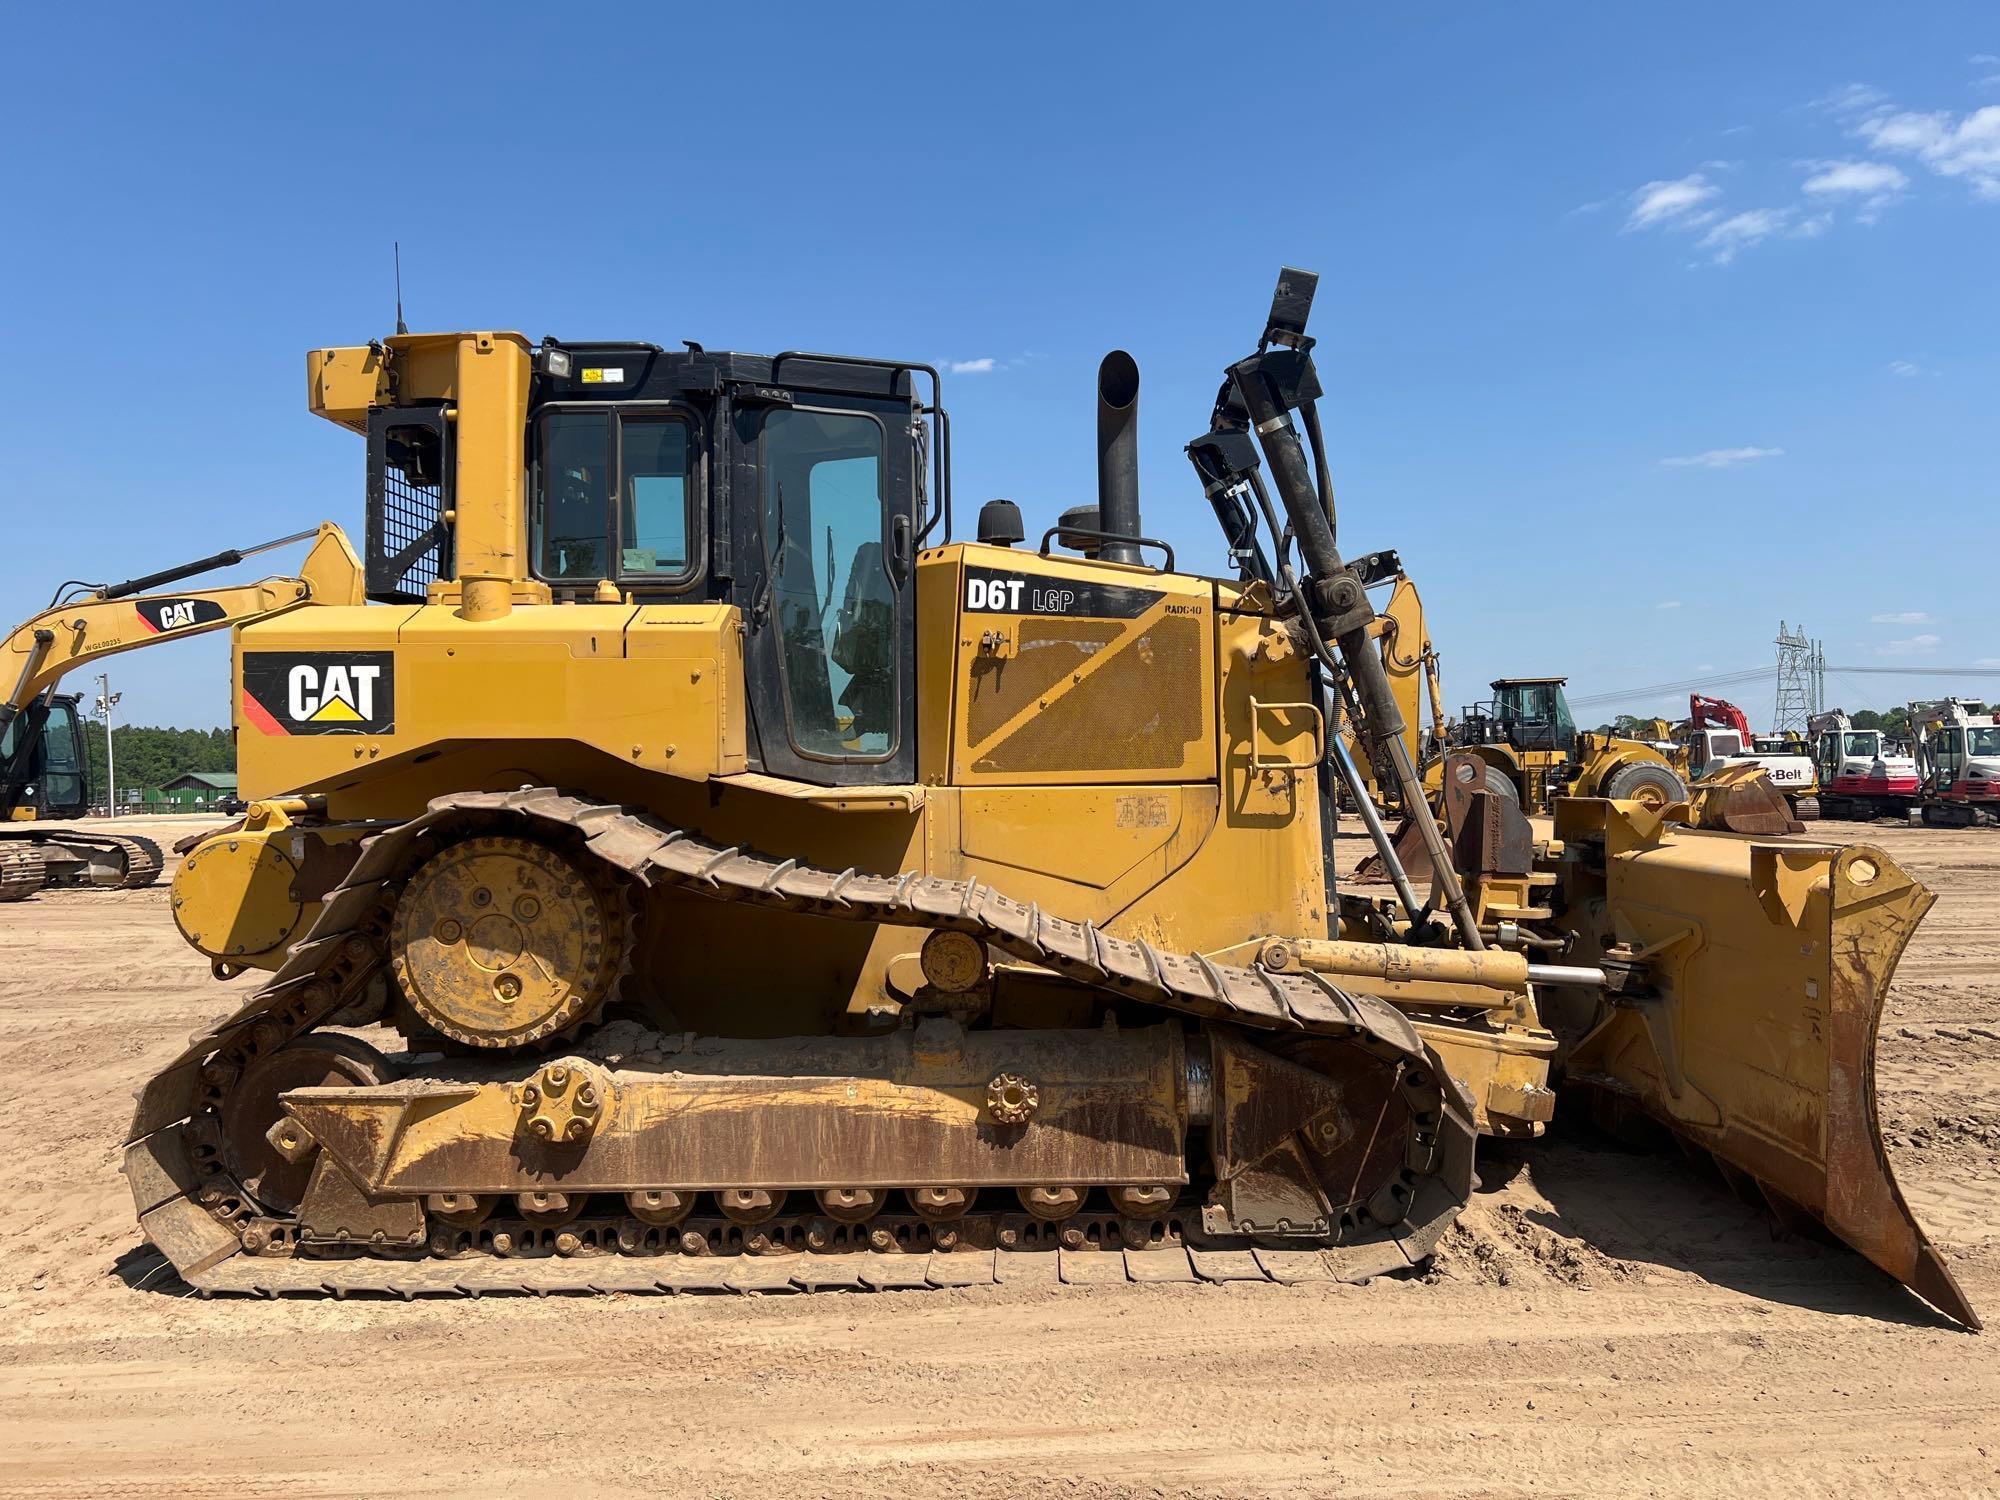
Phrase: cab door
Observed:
(827, 503)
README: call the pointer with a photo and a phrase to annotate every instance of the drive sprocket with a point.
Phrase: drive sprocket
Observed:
(501, 941)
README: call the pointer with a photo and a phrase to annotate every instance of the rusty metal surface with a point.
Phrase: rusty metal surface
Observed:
(797, 1113)
(1741, 799)
(1325, 1144)
(252, 1104)
(336, 1211)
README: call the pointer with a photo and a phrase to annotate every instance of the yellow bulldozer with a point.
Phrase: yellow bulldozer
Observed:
(694, 866)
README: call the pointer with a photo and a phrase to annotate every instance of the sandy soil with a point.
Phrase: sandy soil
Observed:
(1599, 1322)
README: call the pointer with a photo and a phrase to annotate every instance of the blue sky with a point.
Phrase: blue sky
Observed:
(1642, 328)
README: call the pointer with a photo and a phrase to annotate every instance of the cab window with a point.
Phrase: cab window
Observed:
(653, 502)
(833, 596)
(614, 496)
(574, 481)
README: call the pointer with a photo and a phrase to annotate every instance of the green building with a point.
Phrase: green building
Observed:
(198, 789)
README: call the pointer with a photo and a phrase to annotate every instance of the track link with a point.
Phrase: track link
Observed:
(22, 871)
(143, 861)
(191, 1209)
(20, 859)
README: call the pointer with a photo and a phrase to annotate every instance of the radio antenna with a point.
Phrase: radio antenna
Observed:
(401, 326)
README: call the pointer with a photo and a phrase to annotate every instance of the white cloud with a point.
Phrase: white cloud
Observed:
(1668, 604)
(1852, 98)
(1901, 617)
(982, 366)
(1987, 661)
(1721, 458)
(1914, 645)
(1675, 203)
(1904, 370)
(1965, 147)
(1873, 180)
(1739, 232)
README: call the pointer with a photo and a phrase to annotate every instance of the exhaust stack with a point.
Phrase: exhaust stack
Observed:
(1118, 455)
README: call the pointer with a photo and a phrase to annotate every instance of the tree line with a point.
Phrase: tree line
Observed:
(149, 757)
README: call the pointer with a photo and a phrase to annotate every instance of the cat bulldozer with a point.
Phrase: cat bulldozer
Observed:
(694, 867)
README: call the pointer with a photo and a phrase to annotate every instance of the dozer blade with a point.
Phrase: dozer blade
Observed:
(1738, 799)
(1752, 977)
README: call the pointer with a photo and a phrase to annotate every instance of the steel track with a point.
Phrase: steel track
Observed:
(197, 1215)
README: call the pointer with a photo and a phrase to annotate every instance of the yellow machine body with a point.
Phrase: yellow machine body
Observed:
(1195, 834)
(1082, 942)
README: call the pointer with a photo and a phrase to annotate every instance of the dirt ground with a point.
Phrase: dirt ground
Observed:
(1599, 1322)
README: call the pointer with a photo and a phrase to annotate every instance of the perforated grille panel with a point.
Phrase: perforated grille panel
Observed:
(408, 543)
(1139, 709)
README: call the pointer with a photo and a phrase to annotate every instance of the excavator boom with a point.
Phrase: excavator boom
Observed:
(103, 622)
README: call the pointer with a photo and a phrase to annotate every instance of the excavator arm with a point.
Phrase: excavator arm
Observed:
(1718, 713)
(124, 616)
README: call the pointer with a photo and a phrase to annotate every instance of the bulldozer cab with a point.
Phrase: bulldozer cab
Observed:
(43, 769)
(793, 487)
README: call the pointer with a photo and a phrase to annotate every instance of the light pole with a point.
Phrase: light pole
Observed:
(106, 701)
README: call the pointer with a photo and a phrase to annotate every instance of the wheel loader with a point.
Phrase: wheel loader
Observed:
(1533, 752)
(695, 866)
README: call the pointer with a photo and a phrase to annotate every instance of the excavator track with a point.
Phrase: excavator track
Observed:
(138, 858)
(22, 871)
(221, 1242)
(142, 859)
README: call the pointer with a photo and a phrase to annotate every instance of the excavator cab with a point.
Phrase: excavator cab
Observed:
(43, 770)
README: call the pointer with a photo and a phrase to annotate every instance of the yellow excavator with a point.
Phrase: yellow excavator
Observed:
(44, 772)
(694, 866)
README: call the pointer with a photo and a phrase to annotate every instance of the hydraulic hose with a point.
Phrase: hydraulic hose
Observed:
(1331, 590)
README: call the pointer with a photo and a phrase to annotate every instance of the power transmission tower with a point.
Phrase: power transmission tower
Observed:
(1797, 694)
